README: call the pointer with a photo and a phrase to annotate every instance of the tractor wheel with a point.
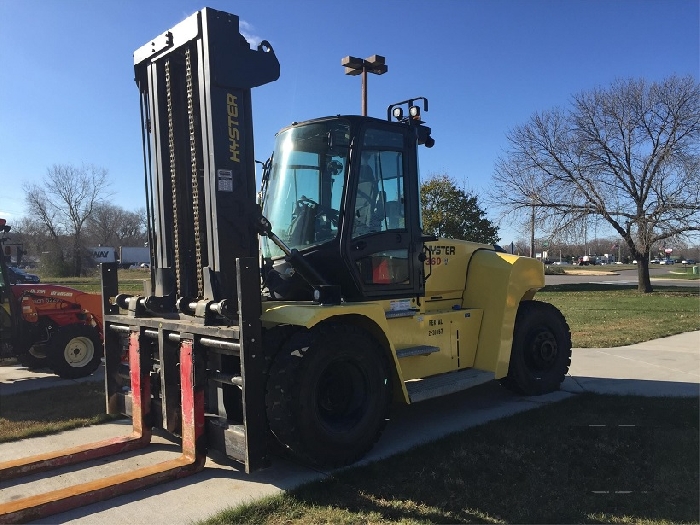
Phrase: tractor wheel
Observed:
(328, 394)
(75, 351)
(541, 352)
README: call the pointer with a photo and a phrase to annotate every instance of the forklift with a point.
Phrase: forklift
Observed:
(294, 318)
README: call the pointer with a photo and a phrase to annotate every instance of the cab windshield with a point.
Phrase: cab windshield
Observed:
(305, 186)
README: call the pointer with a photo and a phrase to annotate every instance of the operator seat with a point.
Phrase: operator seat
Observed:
(394, 215)
(365, 201)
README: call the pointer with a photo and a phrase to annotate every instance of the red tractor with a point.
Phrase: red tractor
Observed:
(47, 325)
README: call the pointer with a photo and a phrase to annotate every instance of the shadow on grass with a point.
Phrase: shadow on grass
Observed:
(44, 411)
(591, 458)
(587, 287)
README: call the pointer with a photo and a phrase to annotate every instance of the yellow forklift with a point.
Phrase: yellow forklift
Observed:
(299, 318)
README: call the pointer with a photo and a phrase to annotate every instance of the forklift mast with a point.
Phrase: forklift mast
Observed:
(192, 340)
(195, 82)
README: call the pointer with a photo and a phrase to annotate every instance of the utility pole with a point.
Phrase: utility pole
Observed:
(357, 66)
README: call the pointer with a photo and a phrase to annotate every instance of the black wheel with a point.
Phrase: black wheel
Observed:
(75, 351)
(272, 341)
(541, 352)
(328, 394)
(33, 359)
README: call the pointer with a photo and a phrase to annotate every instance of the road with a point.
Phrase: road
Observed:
(618, 277)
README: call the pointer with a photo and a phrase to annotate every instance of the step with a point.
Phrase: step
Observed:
(417, 350)
(443, 384)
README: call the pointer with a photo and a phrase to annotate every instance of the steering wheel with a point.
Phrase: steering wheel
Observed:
(333, 215)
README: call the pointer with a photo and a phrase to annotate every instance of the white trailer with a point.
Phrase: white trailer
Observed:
(133, 255)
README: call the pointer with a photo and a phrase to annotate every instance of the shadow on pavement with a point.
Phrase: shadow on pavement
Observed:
(631, 387)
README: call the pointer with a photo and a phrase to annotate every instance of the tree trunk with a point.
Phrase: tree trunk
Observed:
(643, 280)
(77, 258)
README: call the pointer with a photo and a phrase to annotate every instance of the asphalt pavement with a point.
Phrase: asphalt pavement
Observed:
(663, 367)
(609, 274)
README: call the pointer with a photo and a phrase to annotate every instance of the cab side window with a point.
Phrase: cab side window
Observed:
(380, 203)
(380, 208)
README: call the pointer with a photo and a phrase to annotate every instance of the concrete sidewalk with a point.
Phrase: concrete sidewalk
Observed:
(15, 379)
(662, 367)
(669, 366)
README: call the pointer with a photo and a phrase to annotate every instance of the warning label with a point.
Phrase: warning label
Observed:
(225, 180)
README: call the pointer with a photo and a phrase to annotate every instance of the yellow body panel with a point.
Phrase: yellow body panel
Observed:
(455, 332)
(308, 314)
(496, 283)
(467, 314)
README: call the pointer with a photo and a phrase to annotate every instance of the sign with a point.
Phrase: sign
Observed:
(668, 250)
(103, 254)
(225, 180)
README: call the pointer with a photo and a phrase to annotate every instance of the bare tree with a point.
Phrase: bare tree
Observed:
(628, 154)
(110, 225)
(65, 201)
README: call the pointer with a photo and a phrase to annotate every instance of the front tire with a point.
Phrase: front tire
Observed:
(541, 352)
(328, 394)
(75, 351)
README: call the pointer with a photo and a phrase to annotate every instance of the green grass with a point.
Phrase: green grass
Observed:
(542, 466)
(603, 316)
(130, 281)
(682, 273)
(46, 411)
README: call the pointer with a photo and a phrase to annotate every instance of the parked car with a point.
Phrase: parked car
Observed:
(666, 261)
(688, 261)
(18, 276)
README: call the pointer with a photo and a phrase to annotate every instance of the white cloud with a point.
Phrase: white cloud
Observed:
(248, 32)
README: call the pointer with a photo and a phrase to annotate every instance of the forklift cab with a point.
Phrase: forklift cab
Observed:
(343, 192)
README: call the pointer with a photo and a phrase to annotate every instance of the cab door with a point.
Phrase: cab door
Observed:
(382, 240)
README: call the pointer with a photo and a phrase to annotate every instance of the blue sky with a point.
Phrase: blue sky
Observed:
(67, 93)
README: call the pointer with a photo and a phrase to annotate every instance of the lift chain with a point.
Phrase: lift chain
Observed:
(173, 177)
(195, 174)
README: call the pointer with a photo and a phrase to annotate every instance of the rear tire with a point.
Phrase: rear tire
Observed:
(328, 394)
(75, 351)
(541, 352)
